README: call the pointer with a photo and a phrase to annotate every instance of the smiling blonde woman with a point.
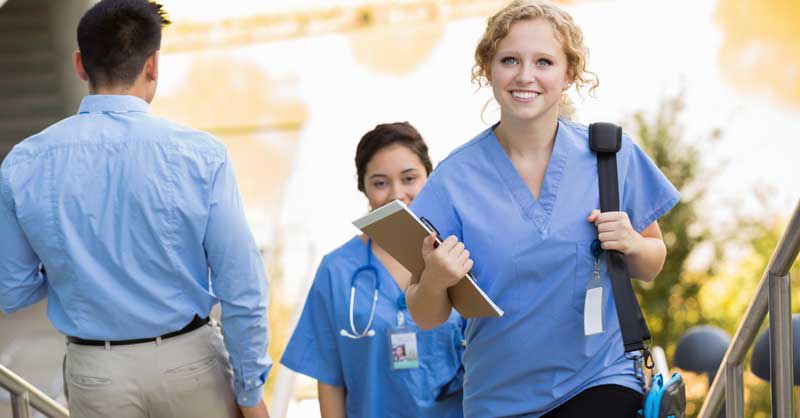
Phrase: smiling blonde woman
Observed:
(522, 198)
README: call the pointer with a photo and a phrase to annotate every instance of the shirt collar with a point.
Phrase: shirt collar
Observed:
(112, 103)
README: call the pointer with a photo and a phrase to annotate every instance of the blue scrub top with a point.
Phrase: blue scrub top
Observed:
(363, 366)
(533, 258)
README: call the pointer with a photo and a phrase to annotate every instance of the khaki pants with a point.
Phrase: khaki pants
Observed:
(187, 376)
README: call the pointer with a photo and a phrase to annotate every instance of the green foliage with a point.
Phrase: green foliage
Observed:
(727, 294)
(671, 302)
(720, 294)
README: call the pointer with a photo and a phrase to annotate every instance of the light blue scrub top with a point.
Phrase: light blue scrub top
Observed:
(363, 366)
(533, 258)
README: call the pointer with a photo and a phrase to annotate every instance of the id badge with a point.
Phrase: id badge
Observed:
(403, 344)
(593, 315)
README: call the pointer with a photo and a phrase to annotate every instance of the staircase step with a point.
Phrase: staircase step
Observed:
(31, 104)
(24, 62)
(24, 6)
(33, 122)
(16, 135)
(30, 41)
(31, 21)
(5, 148)
(30, 84)
(33, 83)
(12, 27)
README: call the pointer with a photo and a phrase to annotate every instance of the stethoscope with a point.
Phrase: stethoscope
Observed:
(368, 268)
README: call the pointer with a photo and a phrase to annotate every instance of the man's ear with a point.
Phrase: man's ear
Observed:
(151, 67)
(77, 62)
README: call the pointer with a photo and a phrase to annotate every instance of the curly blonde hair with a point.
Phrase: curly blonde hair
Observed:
(567, 32)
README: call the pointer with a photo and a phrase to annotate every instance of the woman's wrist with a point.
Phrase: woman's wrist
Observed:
(429, 286)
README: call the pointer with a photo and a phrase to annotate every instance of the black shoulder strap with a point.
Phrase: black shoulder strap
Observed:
(605, 139)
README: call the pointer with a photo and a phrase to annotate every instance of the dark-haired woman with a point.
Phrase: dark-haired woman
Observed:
(355, 317)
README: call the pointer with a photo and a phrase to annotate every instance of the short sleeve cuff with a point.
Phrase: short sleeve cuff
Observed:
(317, 368)
(660, 210)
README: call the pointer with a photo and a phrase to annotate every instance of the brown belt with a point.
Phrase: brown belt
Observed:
(196, 323)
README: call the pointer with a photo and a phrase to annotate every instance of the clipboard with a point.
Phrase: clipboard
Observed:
(400, 232)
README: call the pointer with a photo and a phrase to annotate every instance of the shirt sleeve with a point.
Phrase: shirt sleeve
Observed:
(434, 204)
(312, 349)
(239, 281)
(648, 194)
(21, 281)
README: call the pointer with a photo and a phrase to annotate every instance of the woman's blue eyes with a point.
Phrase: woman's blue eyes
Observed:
(539, 62)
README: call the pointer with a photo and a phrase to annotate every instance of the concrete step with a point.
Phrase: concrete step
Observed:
(28, 41)
(31, 119)
(24, 84)
(14, 136)
(31, 104)
(24, 62)
(23, 6)
(19, 127)
(5, 148)
(24, 21)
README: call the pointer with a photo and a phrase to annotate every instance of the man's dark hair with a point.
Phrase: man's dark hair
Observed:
(115, 38)
(385, 135)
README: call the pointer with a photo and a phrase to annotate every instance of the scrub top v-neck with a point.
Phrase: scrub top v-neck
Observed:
(537, 210)
(533, 258)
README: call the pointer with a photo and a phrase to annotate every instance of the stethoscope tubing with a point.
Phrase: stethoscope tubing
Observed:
(367, 332)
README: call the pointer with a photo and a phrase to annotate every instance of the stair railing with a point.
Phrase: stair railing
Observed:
(24, 396)
(773, 295)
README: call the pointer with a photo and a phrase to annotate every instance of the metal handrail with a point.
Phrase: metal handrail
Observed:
(773, 295)
(24, 395)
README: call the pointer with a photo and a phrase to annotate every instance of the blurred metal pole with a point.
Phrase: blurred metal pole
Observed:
(24, 395)
(728, 382)
(660, 360)
(20, 405)
(282, 394)
(734, 390)
(780, 345)
(780, 318)
(284, 382)
(741, 342)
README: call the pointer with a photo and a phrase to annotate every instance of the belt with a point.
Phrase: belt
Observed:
(196, 323)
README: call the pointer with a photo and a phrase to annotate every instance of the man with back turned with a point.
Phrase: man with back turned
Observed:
(132, 227)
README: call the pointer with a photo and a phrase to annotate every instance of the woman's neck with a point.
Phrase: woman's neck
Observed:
(527, 138)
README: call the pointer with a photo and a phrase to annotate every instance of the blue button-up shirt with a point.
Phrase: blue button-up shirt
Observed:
(138, 223)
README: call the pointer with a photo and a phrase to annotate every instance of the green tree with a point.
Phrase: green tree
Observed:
(727, 293)
(671, 302)
(719, 294)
